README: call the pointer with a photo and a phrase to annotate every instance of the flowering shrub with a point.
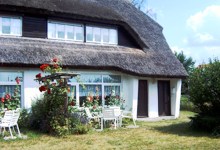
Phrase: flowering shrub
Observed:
(11, 102)
(92, 102)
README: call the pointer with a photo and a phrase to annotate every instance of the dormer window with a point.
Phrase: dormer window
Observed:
(10, 26)
(65, 31)
(101, 35)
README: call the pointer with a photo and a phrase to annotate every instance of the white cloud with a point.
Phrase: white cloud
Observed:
(204, 27)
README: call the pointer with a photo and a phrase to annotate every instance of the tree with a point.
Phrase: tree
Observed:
(188, 64)
(204, 92)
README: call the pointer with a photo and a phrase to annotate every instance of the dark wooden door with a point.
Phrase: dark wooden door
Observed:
(142, 99)
(164, 104)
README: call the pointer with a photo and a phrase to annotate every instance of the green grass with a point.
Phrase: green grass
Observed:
(169, 134)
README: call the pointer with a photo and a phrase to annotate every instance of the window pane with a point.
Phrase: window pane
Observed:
(10, 76)
(111, 91)
(79, 33)
(97, 34)
(72, 93)
(16, 26)
(89, 34)
(8, 89)
(89, 90)
(51, 30)
(60, 31)
(90, 78)
(6, 25)
(111, 79)
(113, 37)
(105, 35)
(69, 32)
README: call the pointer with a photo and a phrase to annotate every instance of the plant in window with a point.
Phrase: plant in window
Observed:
(12, 102)
(115, 100)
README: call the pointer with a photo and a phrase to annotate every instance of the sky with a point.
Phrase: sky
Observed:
(191, 26)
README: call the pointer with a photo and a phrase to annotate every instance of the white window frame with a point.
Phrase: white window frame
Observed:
(101, 30)
(65, 32)
(95, 83)
(11, 17)
(14, 83)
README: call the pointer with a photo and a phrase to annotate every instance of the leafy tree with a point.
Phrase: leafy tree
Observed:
(205, 94)
(188, 64)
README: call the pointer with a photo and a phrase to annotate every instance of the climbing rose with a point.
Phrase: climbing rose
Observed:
(3, 99)
(17, 80)
(68, 90)
(42, 88)
(55, 66)
(43, 67)
(38, 75)
(48, 91)
(72, 103)
(55, 60)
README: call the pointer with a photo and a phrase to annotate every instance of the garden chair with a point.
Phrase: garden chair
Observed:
(92, 117)
(127, 114)
(9, 120)
(109, 114)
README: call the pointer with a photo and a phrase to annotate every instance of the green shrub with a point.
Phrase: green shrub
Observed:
(186, 104)
(24, 119)
(205, 94)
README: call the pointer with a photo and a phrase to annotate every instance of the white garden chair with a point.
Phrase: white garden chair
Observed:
(109, 114)
(91, 117)
(10, 120)
(128, 114)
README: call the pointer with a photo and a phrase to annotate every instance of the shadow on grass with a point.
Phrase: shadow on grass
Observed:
(182, 129)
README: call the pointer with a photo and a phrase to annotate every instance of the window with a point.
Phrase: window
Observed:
(8, 83)
(101, 35)
(10, 26)
(96, 84)
(65, 31)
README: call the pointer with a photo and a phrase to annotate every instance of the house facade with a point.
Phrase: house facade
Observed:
(112, 45)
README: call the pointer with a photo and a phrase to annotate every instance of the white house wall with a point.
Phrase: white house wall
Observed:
(152, 98)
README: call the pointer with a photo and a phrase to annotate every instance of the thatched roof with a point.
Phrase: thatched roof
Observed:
(155, 58)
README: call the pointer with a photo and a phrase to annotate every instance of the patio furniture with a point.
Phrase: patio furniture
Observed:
(127, 114)
(110, 114)
(9, 120)
(92, 117)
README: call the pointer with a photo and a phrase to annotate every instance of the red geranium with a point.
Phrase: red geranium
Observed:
(38, 75)
(43, 67)
(17, 80)
(42, 88)
(55, 60)
(7, 96)
(55, 66)
(3, 99)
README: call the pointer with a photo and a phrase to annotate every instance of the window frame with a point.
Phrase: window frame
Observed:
(11, 17)
(65, 31)
(101, 35)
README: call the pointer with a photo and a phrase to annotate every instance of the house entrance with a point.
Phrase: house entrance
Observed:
(142, 99)
(164, 105)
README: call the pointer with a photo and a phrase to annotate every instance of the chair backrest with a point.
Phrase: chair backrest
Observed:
(108, 113)
(117, 111)
(15, 117)
(88, 113)
(8, 117)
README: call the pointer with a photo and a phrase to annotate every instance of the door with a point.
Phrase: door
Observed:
(142, 99)
(164, 105)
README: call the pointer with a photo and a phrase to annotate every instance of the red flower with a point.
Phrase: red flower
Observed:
(48, 91)
(3, 99)
(43, 67)
(68, 90)
(72, 103)
(42, 88)
(38, 75)
(55, 60)
(94, 107)
(7, 96)
(17, 80)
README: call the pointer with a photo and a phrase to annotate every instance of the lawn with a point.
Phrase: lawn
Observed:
(170, 134)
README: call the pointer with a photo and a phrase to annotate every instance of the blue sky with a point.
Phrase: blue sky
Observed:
(191, 26)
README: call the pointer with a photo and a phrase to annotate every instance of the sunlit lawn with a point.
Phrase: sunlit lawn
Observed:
(172, 134)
